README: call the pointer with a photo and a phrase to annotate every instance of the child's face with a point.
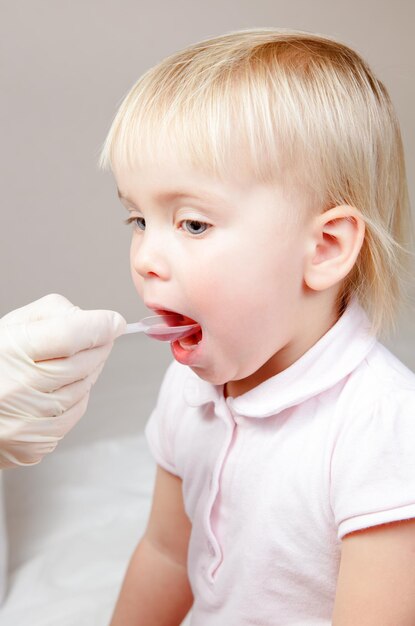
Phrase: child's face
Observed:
(232, 263)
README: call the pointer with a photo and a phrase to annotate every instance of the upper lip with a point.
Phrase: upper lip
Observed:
(157, 308)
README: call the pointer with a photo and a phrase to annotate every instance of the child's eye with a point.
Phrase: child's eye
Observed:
(194, 227)
(139, 222)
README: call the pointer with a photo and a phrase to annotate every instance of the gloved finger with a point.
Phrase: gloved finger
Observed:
(56, 427)
(25, 453)
(29, 447)
(68, 334)
(61, 401)
(51, 375)
(35, 405)
(48, 306)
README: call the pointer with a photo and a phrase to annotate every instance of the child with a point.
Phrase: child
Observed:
(264, 175)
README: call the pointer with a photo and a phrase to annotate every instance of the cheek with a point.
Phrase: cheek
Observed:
(136, 278)
(137, 282)
(255, 279)
(249, 295)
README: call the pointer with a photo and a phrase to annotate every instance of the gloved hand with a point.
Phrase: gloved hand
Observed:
(51, 353)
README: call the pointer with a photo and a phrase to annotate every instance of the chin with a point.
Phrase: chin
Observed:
(217, 377)
(212, 377)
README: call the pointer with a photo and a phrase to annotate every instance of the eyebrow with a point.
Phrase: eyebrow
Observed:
(122, 197)
(178, 193)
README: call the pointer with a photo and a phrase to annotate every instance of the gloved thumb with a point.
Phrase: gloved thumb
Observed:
(67, 334)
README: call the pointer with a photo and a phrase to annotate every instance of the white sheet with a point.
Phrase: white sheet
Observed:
(73, 522)
(3, 543)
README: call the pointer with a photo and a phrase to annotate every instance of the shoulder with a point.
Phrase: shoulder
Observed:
(376, 403)
(175, 381)
(175, 374)
(179, 396)
(167, 416)
(381, 379)
(174, 426)
(170, 402)
(387, 371)
(372, 460)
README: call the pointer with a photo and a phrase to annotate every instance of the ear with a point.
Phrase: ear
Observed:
(336, 239)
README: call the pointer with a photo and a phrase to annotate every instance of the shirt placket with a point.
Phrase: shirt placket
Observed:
(224, 411)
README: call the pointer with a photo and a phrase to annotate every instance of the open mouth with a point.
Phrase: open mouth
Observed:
(190, 342)
(172, 318)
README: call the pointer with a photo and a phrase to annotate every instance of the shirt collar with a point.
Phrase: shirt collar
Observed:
(325, 364)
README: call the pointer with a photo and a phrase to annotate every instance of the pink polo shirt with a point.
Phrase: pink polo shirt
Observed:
(273, 479)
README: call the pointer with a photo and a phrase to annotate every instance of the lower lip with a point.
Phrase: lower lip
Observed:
(183, 356)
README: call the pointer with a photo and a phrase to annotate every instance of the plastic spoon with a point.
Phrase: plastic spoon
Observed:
(162, 327)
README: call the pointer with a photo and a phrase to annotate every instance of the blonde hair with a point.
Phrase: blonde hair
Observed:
(298, 104)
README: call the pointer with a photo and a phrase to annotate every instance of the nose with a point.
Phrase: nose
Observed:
(149, 256)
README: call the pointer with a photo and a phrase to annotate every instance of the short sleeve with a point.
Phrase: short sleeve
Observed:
(159, 430)
(373, 464)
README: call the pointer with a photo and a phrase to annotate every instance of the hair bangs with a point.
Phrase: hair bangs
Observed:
(219, 123)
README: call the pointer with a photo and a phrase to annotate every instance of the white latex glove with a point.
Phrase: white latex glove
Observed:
(51, 353)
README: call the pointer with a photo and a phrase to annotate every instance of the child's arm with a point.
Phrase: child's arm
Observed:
(156, 589)
(376, 584)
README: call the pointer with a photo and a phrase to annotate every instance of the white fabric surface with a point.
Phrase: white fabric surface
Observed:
(73, 522)
(3, 543)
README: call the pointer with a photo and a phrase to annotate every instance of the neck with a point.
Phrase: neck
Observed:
(316, 318)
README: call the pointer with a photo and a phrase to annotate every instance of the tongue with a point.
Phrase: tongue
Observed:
(192, 339)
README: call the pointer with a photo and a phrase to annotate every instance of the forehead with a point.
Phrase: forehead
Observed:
(168, 178)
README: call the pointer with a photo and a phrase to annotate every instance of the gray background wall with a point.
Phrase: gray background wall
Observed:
(65, 66)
